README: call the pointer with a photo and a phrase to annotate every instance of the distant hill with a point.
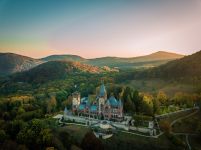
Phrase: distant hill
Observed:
(12, 63)
(160, 55)
(63, 57)
(53, 70)
(187, 68)
(147, 61)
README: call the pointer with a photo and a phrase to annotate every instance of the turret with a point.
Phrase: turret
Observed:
(75, 100)
(102, 97)
(121, 108)
(103, 92)
(65, 113)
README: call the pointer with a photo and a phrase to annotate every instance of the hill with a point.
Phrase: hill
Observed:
(63, 57)
(160, 55)
(186, 67)
(181, 75)
(147, 61)
(12, 63)
(54, 70)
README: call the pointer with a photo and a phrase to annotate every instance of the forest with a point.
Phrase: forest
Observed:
(27, 107)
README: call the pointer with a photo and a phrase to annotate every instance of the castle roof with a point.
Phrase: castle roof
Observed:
(114, 102)
(65, 110)
(85, 100)
(81, 107)
(102, 90)
(93, 108)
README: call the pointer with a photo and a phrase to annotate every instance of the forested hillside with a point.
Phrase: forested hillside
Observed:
(54, 70)
(188, 68)
(11, 63)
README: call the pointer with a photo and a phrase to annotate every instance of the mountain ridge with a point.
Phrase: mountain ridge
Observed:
(188, 67)
(54, 70)
(155, 54)
(12, 63)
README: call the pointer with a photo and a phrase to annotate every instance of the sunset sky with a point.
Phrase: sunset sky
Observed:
(96, 28)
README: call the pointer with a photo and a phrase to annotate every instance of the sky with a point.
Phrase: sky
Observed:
(97, 28)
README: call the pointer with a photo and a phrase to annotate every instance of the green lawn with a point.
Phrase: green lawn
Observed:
(188, 125)
(176, 116)
(127, 141)
(121, 140)
(77, 132)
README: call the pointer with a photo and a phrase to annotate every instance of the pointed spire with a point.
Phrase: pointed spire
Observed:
(65, 110)
(120, 103)
(102, 89)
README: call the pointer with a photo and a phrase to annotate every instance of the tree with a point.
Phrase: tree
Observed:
(65, 138)
(127, 102)
(67, 102)
(199, 129)
(45, 137)
(9, 145)
(136, 99)
(126, 93)
(90, 142)
(15, 127)
(165, 126)
(60, 97)
(6, 116)
(35, 135)
(129, 106)
(29, 134)
(51, 105)
(21, 110)
(162, 97)
(3, 136)
(156, 106)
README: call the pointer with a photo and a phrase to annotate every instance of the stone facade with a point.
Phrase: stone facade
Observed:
(101, 107)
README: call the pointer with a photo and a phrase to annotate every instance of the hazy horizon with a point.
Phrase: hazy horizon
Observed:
(98, 56)
(95, 28)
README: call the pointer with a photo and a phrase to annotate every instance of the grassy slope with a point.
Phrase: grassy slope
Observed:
(188, 125)
(121, 141)
(154, 85)
(188, 67)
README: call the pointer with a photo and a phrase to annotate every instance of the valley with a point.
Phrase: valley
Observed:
(12, 63)
(33, 96)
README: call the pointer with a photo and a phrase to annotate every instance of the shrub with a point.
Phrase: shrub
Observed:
(165, 126)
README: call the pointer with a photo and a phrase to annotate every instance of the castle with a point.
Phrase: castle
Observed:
(100, 108)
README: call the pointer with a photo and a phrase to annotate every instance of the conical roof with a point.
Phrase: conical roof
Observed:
(102, 90)
(65, 110)
(112, 100)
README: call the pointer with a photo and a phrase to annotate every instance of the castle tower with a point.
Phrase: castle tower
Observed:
(102, 97)
(65, 113)
(75, 100)
(120, 107)
(103, 92)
